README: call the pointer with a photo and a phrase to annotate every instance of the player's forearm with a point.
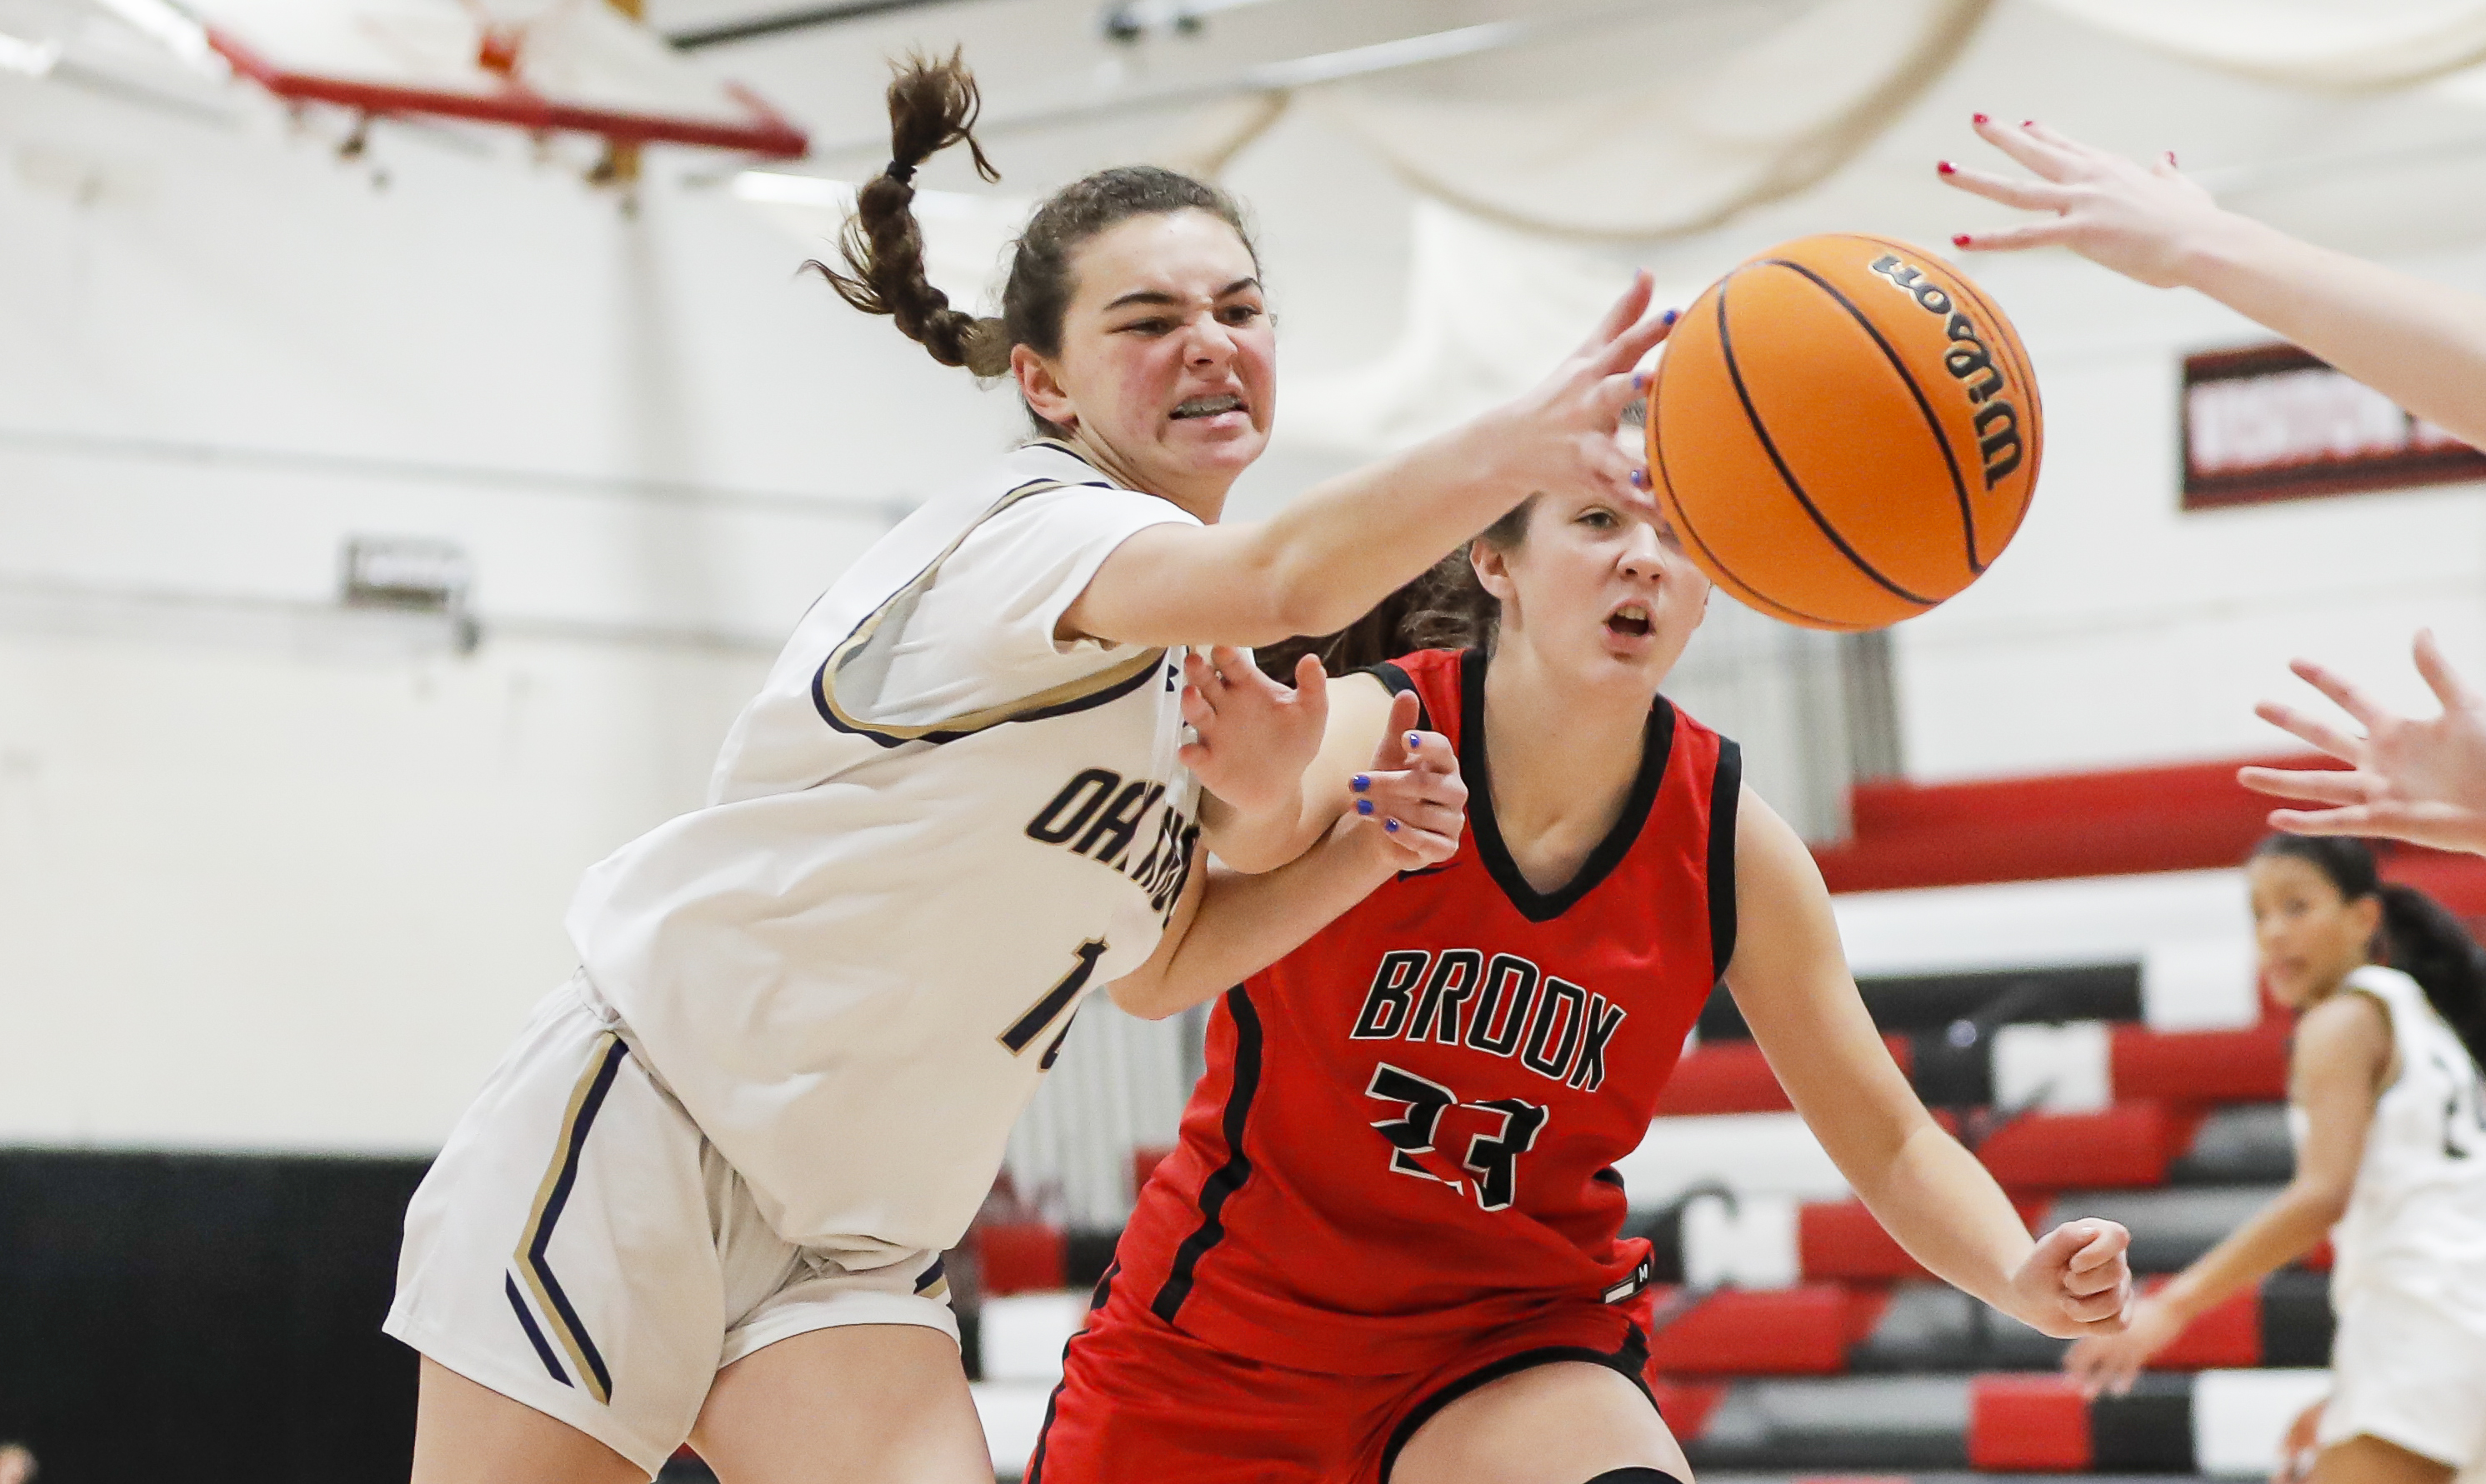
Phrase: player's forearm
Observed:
(2421, 343)
(1350, 541)
(1945, 1209)
(1265, 838)
(2276, 1235)
(1246, 922)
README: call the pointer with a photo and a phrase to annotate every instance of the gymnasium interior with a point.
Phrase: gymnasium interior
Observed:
(398, 502)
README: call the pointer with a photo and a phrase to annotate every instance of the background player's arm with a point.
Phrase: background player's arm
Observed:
(1789, 977)
(2340, 1064)
(2421, 345)
(1264, 805)
(1350, 541)
(1231, 926)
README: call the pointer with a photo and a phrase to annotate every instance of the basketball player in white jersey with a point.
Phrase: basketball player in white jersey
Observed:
(707, 1195)
(2386, 1095)
(2423, 344)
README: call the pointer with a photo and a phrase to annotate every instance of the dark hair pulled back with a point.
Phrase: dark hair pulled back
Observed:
(1445, 609)
(933, 105)
(2420, 937)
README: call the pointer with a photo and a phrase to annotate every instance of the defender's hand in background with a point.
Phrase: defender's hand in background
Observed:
(2139, 220)
(1255, 736)
(2420, 780)
(1411, 804)
(2076, 1282)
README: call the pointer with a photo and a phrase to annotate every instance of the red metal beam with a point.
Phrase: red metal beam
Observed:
(767, 134)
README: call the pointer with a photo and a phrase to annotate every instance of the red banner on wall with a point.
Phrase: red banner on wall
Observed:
(2274, 423)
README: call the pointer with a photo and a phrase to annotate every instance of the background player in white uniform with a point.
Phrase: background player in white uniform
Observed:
(2392, 1147)
(707, 1195)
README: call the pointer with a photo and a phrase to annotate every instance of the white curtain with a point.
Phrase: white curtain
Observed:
(1681, 153)
(1489, 311)
(1676, 154)
(2317, 44)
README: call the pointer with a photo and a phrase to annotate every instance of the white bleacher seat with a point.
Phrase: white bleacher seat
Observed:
(1022, 1333)
(2057, 1068)
(2239, 1417)
(1749, 1153)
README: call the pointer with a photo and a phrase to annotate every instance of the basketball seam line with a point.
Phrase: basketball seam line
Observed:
(1769, 446)
(1682, 519)
(1933, 418)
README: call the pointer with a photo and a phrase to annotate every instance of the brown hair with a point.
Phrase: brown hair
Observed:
(933, 105)
(1446, 608)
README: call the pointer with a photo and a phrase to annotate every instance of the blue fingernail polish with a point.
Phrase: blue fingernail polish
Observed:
(1640, 479)
(1415, 740)
(1359, 783)
(1390, 826)
(1672, 315)
(1640, 381)
(1363, 806)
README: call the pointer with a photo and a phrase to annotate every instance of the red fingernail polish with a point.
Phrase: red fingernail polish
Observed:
(1944, 167)
(2171, 156)
(2028, 124)
(1978, 118)
(1959, 239)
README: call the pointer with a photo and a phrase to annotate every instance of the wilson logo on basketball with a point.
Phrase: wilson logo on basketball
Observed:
(1997, 422)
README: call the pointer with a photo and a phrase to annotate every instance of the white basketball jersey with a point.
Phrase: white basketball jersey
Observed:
(933, 831)
(2417, 1217)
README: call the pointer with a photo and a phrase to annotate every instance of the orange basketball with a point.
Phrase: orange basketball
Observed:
(1844, 432)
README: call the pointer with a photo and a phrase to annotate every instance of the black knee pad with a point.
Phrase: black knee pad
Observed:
(1635, 1475)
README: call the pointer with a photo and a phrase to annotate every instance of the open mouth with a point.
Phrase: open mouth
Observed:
(1631, 618)
(1209, 406)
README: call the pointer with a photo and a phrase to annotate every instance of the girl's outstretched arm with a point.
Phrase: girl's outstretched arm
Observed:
(2343, 1058)
(2423, 344)
(1348, 543)
(1790, 979)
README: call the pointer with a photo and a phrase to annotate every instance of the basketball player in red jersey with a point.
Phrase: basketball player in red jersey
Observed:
(1389, 1246)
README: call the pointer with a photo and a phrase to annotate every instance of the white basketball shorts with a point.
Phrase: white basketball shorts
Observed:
(2404, 1372)
(580, 1248)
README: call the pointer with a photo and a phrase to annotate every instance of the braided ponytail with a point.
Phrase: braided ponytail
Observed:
(933, 105)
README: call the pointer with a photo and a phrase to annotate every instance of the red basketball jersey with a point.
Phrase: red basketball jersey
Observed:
(1407, 1127)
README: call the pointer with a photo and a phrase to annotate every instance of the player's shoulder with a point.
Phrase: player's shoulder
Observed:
(1048, 484)
(2355, 1022)
(1047, 461)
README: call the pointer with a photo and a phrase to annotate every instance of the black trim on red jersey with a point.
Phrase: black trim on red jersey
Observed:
(1044, 1431)
(1545, 906)
(1397, 683)
(1726, 791)
(1227, 1179)
(1628, 1359)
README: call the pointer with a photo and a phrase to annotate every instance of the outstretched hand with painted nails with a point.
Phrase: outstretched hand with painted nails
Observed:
(1560, 435)
(2139, 220)
(2418, 779)
(1411, 804)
